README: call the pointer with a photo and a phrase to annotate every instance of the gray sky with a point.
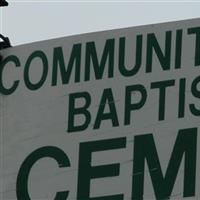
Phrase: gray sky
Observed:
(28, 21)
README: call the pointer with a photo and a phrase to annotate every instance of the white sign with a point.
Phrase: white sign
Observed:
(111, 115)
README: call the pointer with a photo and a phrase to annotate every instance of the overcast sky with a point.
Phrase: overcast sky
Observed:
(28, 21)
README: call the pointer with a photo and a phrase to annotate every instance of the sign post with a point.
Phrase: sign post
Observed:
(106, 115)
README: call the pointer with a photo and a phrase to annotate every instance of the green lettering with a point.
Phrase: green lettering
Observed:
(73, 111)
(3, 89)
(123, 70)
(196, 31)
(107, 99)
(35, 86)
(99, 67)
(23, 175)
(88, 172)
(196, 93)
(162, 85)
(164, 58)
(186, 144)
(59, 62)
(129, 106)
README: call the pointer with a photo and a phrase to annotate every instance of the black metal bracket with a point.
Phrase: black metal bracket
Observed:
(5, 43)
(3, 3)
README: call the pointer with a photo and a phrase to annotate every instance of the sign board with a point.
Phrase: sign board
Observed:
(110, 115)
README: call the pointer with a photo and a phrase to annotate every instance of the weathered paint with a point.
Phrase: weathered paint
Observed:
(106, 115)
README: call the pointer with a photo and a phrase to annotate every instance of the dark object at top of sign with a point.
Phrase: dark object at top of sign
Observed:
(3, 3)
(5, 43)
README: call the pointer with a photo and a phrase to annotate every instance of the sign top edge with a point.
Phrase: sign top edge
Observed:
(102, 32)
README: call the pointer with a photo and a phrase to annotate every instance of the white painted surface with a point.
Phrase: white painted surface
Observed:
(33, 119)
